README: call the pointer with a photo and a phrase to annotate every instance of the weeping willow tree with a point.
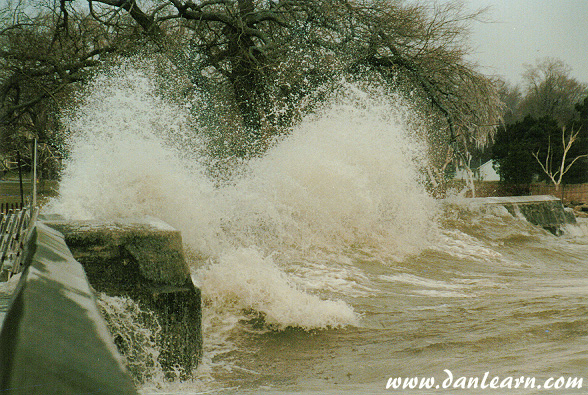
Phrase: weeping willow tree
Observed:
(268, 56)
(264, 59)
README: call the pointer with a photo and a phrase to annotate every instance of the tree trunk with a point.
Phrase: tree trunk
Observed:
(246, 77)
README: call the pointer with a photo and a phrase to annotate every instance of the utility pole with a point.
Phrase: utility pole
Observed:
(20, 179)
(35, 174)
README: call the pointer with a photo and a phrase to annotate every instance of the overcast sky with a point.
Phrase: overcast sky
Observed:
(520, 31)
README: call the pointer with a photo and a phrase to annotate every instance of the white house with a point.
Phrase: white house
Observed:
(483, 173)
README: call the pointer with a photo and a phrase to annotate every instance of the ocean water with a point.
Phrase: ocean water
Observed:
(325, 266)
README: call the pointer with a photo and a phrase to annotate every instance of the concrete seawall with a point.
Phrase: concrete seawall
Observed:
(53, 339)
(143, 259)
(543, 210)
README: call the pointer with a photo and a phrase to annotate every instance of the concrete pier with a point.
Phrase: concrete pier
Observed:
(143, 259)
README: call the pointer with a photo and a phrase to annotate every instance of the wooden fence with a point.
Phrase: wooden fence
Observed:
(15, 228)
(10, 193)
(571, 193)
(6, 207)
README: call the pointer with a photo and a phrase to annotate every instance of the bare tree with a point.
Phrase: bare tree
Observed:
(511, 96)
(550, 91)
(556, 174)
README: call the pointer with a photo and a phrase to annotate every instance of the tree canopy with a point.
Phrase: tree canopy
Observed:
(260, 59)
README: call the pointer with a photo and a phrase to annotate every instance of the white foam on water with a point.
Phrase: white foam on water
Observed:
(421, 281)
(245, 280)
(463, 246)
(579, 230)
(275, 241)
(135, 330)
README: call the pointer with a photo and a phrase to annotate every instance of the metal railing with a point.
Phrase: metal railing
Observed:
(15, 229)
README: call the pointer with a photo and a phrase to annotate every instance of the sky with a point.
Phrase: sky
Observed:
(521, 31)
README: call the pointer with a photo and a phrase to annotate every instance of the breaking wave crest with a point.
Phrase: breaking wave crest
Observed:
(346, 177)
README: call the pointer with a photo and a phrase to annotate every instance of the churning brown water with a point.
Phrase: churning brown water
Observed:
(497, 297)
(325, 267)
